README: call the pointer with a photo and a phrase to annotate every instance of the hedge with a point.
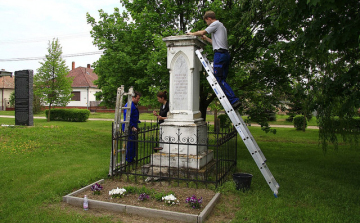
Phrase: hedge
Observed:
(340, 124)
(69, 115)
(224, 121)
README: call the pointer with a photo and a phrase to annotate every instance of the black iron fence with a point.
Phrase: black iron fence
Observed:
(153, 154)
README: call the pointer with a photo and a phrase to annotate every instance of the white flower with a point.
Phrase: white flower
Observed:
(119, 191)
(170, 199)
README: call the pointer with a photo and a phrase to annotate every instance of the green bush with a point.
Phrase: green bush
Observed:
(224, 121)
(70, 115)
(292, 115)
(340, 124)
(299, 122)
(271, 116)
(356, 122)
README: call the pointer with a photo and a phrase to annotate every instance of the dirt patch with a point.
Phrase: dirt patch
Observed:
(159, 187)
(223, 211)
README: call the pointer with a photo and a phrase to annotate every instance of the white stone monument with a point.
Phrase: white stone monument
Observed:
(184, 124)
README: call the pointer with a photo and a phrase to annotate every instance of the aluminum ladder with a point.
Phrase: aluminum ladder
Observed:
(117, 127)
(239, 124)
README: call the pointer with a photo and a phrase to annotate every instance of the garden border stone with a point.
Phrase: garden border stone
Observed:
(146, 212)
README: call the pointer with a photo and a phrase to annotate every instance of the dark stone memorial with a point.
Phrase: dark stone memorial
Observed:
(24, 97)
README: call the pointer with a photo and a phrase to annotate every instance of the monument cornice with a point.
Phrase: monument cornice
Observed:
(184, 40)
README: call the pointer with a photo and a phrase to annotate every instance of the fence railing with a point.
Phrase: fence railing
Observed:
(214, 159)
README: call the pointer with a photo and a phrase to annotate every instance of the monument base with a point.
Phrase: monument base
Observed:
(188, 173)
(182, 160)
(183, 137)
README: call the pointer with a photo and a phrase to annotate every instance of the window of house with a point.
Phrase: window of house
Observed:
(76, 96)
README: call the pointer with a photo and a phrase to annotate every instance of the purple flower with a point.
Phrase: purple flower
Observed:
(143, 197)
(194, 202)
(96, 187)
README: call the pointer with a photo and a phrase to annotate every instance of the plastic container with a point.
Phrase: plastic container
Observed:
(242, 181)
(86, 203)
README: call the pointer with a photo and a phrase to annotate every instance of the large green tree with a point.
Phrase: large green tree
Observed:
(134, 52)
(314, 42)
(275, 45)
(52, 85)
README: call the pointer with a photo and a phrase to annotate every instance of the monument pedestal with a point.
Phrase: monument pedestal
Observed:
(183, 135)
(182, 160)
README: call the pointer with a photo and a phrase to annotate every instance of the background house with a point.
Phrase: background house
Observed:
(7, 86)
(83, 87)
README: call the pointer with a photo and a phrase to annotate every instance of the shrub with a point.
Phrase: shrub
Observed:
(271, 116)
(224, 121)
(70, 115)
(290, 118)
(340, 124)
(292, 115)
(356, 122)
(299, 122)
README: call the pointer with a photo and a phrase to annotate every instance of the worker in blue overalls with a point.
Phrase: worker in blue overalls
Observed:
(133, 127)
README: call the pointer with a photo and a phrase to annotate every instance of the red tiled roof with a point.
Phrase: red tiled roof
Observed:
(7, 82)
(83, 77)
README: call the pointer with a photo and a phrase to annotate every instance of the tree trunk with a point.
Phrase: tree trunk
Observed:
(216, 123)
(48, 119)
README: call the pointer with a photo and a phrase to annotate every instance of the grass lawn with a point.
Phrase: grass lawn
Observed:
(280, 119)
(40, 164)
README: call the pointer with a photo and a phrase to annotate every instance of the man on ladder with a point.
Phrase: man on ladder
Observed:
(221, 57)
(216, 78)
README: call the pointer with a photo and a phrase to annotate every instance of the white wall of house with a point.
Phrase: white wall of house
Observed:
(5, 98)
(86, 95)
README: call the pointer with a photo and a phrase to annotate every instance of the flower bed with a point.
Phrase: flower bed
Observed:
(160, 188)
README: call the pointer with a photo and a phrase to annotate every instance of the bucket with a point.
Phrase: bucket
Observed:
(242, 181)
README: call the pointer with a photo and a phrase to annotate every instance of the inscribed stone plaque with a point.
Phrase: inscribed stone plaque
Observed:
(24, 97)
(180, 95)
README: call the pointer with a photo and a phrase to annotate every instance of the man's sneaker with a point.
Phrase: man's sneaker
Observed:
(236, 105)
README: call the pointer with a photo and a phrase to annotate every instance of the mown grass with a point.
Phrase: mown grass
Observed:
(314, 186)
(280, 119)
(40, 164)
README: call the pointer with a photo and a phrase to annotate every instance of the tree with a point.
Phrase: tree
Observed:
(274, 44)
(52, 85)
(134, 52)
(36, 102)
(313, 40)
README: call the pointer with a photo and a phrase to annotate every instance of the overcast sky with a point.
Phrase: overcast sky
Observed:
(28, 25)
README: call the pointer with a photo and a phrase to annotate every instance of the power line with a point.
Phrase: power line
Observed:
(47, 38)
(63, 56)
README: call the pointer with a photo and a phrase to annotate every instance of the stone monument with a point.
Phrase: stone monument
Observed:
(24, 97)
(183, 135)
